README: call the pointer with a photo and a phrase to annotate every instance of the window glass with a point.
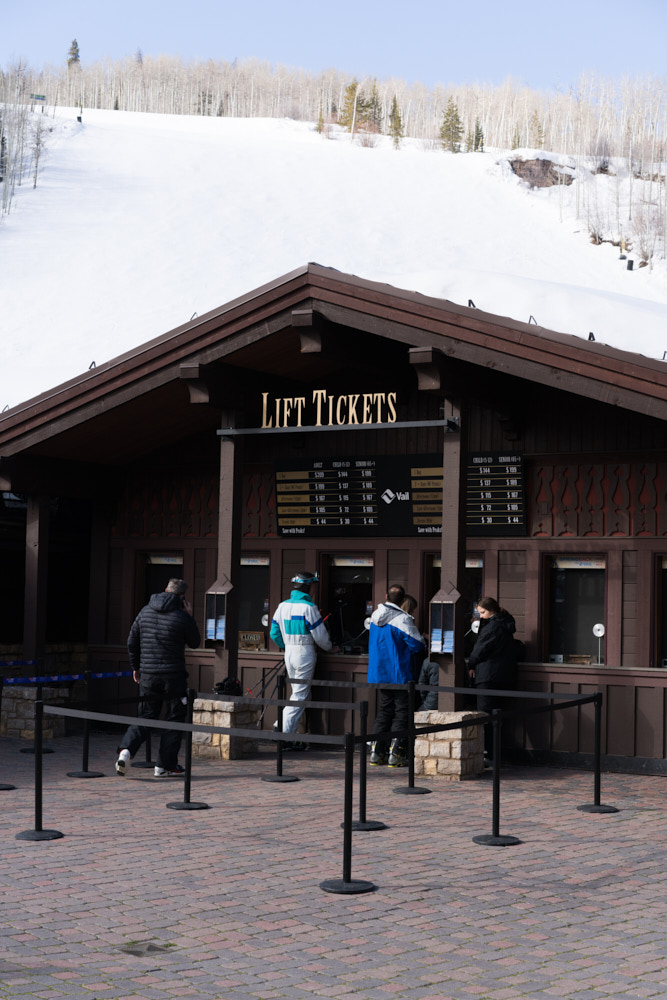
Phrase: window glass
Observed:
(157, 570)
(346, 599)
(254, 620)
(576, 589)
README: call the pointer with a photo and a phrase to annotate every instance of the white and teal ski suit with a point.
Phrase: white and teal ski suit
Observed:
(296, 627)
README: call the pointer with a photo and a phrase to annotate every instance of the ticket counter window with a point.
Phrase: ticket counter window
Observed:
(254, 613)
(576, 591)
(346, 600)
(154, 571)
(662, 616)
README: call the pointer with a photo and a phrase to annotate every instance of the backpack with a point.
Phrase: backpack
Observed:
(230, 685)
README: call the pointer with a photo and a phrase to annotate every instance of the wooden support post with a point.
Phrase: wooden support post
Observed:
(229, 545)
(453, 549)
(36, 569)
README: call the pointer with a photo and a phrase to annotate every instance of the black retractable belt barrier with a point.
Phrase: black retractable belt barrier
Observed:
(347, 884)
(84, 772)
(4, 787)
(495, 839)
(596, 807)
(148, 762)
(186, 804)
(39, 833)
(32, 749)
(410, 788)
(279, 777)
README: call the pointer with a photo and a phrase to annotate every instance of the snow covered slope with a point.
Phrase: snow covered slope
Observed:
(139, 221)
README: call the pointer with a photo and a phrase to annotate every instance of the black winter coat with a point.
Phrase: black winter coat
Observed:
(159, 634)
(493, 656)
(429, 674)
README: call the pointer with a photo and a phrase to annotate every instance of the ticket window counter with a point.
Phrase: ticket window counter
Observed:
(575, 609)
(662, 612)
(346, 600)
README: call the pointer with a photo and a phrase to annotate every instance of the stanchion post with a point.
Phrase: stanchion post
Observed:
(84, 772)
(494, 839)
(38, 833)
(186, 804)
(362, 823)
(279, 777)
(410, 789)
(596, 807)
(347, 884)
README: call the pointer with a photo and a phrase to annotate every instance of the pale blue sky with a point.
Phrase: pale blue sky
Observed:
(546, 46)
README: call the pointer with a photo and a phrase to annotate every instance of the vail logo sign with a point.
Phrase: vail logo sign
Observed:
(389, 496)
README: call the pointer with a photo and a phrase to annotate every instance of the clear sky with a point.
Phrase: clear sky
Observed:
(544, 45)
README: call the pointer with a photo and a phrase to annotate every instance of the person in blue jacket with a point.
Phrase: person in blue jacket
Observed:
(298, 629)
(392, 642)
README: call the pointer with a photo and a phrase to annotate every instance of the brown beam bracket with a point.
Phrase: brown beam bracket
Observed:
(428, 363)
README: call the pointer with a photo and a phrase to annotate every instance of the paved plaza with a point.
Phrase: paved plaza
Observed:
(140, 902)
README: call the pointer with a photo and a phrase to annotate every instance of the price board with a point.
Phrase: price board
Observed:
(495, 502)
(395, 496)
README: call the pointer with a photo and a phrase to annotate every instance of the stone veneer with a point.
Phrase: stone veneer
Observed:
(17, 717)
(453, 754)
(229, 715)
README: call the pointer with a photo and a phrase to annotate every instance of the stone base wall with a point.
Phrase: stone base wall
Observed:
(453, 754)
(17, 717)
(229, 715)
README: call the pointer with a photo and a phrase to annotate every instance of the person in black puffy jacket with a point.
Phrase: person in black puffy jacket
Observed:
(492, 662)
(156, 647)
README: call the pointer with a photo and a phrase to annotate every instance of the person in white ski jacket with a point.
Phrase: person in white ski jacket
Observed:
(393, 639)
(298, 629)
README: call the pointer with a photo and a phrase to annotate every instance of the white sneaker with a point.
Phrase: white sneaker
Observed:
(122, 762)
(169, 772)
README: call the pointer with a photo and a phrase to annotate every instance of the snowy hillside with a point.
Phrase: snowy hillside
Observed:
(140, 221)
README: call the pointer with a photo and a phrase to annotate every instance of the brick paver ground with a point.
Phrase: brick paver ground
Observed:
(141, 902)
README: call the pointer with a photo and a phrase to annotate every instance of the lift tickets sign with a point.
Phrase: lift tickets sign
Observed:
(395, 496)
(496, 497)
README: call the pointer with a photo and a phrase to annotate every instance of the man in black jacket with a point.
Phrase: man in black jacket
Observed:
(156, 646)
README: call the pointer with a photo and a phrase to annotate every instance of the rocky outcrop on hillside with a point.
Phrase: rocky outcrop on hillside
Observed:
(540, 173)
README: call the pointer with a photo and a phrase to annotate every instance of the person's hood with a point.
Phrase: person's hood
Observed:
(384, 613)
(166, 602)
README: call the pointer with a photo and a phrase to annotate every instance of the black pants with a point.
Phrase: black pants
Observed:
(487, 702)
(392, 715)
(169, 690)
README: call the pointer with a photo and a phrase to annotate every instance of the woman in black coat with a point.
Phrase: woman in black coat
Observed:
(492, 662)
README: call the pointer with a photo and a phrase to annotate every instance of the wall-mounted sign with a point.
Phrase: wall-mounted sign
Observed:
(495, 503)
(326, 409)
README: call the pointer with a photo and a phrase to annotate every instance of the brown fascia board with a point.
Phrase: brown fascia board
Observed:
(548, 357)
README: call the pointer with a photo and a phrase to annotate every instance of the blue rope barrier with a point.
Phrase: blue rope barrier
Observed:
(62, 677)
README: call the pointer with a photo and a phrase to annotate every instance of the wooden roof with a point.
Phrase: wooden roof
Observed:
(136, 401)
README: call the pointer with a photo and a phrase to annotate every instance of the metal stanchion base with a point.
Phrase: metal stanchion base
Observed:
(490, 841)
(39, 835)
(32, 750)
(85, 774)
(7, 788)
(367, 824)
(142, 763)
(280, 778)
(340, 885)
(407, 790)
(187, 805)
(597, 809)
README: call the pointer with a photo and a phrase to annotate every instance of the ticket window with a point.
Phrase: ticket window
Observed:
(154, 571)
(575, 609)
(662, 612)
(253, 596)
(346, 600)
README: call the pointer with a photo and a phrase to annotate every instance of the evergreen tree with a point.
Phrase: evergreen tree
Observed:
(319, 128)
(451, 130)
(470, 141)
(516, 138)
(73, 56)
(395, 124)
(536, 131)
(373, 111)
(354, 107)
(478, 143)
